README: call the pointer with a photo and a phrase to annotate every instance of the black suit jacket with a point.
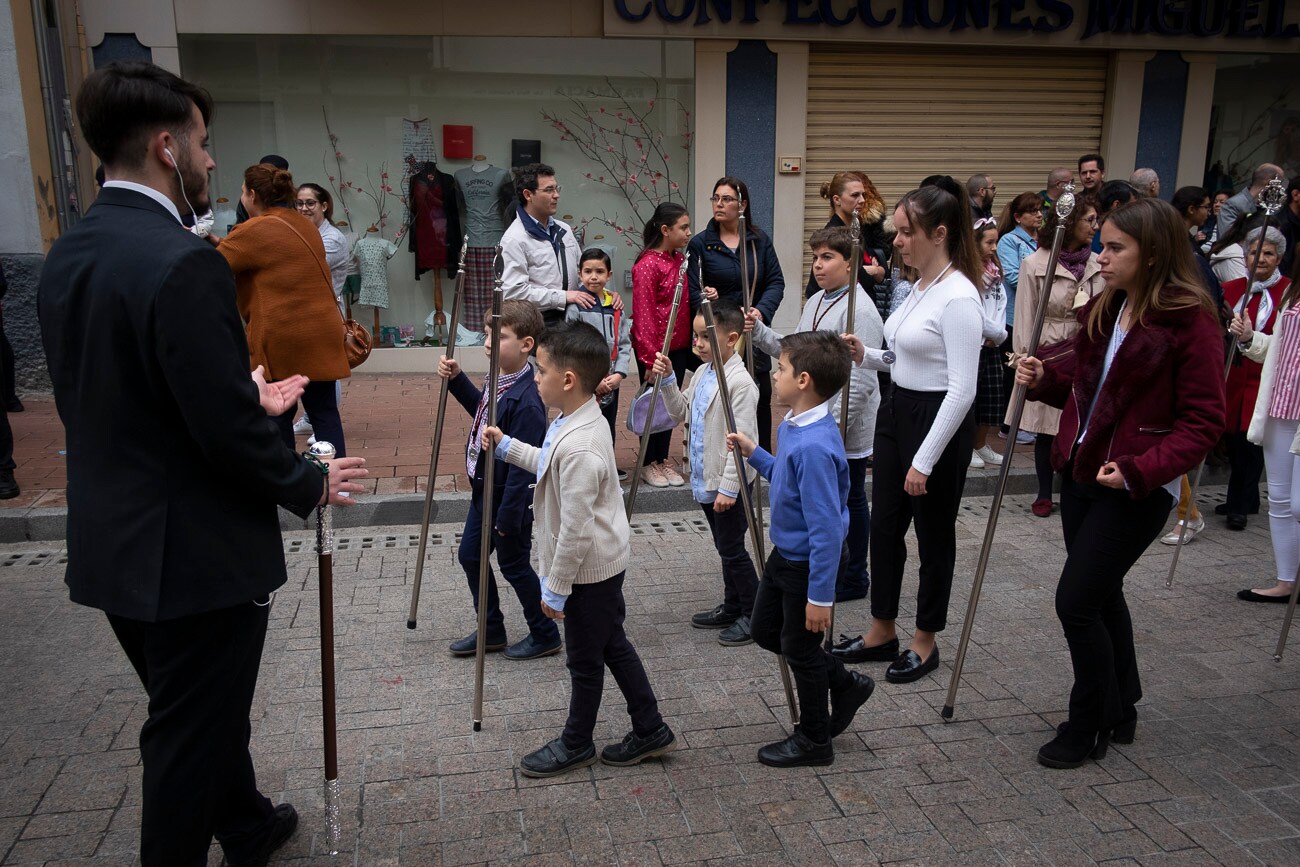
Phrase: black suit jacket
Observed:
(174, 468)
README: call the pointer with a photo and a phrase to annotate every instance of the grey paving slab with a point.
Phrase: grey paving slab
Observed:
(1213, 777)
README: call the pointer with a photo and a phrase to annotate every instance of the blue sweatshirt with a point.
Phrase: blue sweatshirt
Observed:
(809, 497)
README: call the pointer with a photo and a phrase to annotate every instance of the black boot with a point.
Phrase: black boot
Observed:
(1072, 747)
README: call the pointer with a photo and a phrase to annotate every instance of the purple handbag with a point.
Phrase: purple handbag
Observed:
(637, 412)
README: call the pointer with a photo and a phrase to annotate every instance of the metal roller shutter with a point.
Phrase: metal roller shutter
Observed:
(902, 114)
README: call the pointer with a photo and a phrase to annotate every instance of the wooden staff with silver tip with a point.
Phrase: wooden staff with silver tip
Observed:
(437, 438)
(1064, 207)
(654, 389)
(489, 459)
(320, 453)
(747, 301)
(1270, 200)
(747, 501)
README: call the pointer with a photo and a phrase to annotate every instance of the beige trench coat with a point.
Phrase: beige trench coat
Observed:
(1059, 325)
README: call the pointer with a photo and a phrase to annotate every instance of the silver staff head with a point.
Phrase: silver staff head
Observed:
(1065, 204)
(323, 450)
(1273, 196)
(464, 251)
(857, 222)
(499, 268)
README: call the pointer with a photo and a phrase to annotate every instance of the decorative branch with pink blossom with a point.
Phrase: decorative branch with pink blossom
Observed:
(377, 191)
(632, 153)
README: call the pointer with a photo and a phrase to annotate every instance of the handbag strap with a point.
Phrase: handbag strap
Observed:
(329, 279)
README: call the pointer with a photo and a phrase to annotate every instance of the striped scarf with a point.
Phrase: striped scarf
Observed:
(475, 444)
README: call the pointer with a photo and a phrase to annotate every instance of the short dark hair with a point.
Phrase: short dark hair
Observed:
(1186, 198)
(1093, 158)
(526, 178)
(728, 317)
(837, 238)
(579, 347)
(521, 317)
(120, 105)
(595, 254)
(822, 355)
(1113, 194)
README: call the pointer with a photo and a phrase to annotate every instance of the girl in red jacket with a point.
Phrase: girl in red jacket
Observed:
(1141, 389)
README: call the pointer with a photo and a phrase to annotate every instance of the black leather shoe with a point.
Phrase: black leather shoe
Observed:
(715, 619)
(1236, 522)
(853, 650)
(845, 703)
(555, 759)
(1221, 509)
(468, 645)
(531, 648)
(14, 405)
(910, 667)
(737, 634)
(284, 821)
(8, 485)
(1252, 596)
(796, 751)
(1071, 748)
(635, 749)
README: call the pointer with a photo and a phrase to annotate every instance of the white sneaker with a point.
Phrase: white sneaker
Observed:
(651, 476)
(976, 462)
(670, 475)
(1193, 529)
(311, 440)
(302, 425)
(989, 455)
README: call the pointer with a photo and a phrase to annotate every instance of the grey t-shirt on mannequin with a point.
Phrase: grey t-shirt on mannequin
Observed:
(479, 189)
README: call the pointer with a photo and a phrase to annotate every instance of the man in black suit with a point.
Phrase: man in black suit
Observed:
(174, 467)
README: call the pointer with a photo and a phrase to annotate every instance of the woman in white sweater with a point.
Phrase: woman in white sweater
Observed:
(925, 427)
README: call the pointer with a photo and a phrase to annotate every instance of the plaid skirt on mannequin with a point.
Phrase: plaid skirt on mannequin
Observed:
(478, 287)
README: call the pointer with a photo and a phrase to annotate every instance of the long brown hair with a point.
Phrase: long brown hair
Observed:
(1083, 204)
(931, 207)
(1171, 281)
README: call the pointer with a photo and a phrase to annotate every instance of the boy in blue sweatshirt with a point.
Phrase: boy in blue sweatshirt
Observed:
(810, 517)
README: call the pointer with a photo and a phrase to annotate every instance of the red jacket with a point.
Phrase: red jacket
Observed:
(1161, 408)
(1243, 379)
(654, 282)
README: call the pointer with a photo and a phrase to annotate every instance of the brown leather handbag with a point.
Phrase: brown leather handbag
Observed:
(357, 342)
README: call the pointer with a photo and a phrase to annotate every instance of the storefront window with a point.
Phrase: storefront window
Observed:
(1255, 119)
(391, 103)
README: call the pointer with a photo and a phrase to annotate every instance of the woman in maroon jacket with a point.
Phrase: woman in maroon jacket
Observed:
(1141, 387)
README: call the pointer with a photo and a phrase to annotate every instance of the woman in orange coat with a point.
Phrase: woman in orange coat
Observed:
(286, 299)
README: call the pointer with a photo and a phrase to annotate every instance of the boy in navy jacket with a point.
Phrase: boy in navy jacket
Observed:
(810, 516)
(521, 414)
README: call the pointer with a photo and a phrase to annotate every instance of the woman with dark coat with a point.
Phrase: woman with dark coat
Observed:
(715, 258)
(1141, 389)
(847, 192)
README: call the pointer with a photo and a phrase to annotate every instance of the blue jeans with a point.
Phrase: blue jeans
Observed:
(513, 557)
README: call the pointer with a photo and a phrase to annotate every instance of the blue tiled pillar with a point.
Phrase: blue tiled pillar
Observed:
(1160, 132)
(751, 124)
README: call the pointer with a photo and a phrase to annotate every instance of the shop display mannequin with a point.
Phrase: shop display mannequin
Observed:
(373, 252)
(435, 228)
(479, 189)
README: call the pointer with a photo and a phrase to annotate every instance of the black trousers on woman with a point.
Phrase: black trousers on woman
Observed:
(904, 419)
(1106, 532)
(1247, 461)
(321, 402)
(660, 444)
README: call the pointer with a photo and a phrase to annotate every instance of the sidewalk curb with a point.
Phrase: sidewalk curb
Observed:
(389, 510)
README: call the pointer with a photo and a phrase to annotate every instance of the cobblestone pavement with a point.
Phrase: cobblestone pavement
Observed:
(1212, 778)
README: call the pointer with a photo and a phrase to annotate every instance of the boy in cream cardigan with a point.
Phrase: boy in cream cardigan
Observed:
(583, 552)
(714, 482)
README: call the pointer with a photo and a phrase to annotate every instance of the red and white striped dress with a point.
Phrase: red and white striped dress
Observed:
(1285, 401)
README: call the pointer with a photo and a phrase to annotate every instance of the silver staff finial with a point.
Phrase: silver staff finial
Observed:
(1065, 204)
(1273, 196)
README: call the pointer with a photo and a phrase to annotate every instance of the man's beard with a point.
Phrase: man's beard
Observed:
(194, 186)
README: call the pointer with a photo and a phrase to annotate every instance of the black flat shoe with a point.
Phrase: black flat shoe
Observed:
(853, 650)
(796, 751)
(555, 759)
(845, 703)
(635, 749)
(468, 645)
(737, 634)
(1071, 748)
(715, 619)
(531, 648)
(909, 667)
(284, 821)
(1252, 596)
(1236, 522)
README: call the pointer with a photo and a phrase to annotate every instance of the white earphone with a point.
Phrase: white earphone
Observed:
(169, 155)
(177, 169)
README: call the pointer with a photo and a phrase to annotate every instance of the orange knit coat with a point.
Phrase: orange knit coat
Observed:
(285, 297)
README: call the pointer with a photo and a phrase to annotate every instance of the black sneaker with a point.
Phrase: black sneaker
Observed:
(715, 619)
(555, 759)
(796, 751)
(737, 634)
(635, 749)
(468, 645)
(8, 485)
(531, 648)
(284, 821)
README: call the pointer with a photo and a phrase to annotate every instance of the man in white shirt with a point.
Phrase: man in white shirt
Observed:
(540, 253)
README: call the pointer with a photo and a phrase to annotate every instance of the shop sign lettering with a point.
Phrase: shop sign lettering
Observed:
(1198, 18)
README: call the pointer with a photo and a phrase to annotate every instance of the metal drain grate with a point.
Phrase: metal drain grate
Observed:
(375, 542)
(35, 559)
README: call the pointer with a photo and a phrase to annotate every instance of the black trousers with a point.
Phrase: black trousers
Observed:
(778, 626)
(763, 412)
(660, 444)
(513, 558)
(199, 672)
(1106, 532)
(904, 419)
(739, 578)
(855, 578)
(609, 409)
(593, 641)
(323, 408)
(1247, 468)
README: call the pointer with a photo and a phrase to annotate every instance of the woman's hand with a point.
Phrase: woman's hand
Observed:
(710, 293)
(914, 484)
(856, 348)
(1029, 372)
(1240, 330)
(1109, 476)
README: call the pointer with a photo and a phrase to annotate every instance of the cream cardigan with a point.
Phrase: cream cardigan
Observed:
(719, 467)
(582, 535)
(1263, 348)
